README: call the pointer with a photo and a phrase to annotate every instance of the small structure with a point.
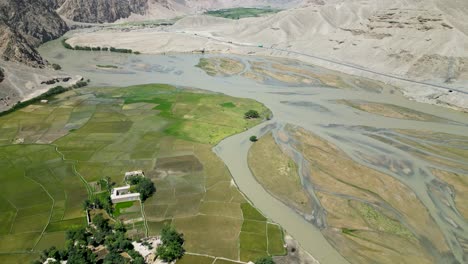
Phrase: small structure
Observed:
(123, 194)
(44, 101)
(130, 174)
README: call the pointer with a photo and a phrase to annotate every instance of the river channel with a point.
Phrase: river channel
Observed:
(311, 107)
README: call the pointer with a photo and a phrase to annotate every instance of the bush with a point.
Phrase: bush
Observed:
(56, 67)
(265, 260)
(171, 247)
(253, 138)
(251, 114)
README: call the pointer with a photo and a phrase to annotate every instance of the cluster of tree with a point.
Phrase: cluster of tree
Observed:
(99, 202)
(53, 91)
(112, 49)
(265, 260)
(172, 244)
(142, 185)
(81, 241)
(251, 114)
(86, 48)
(79, 84)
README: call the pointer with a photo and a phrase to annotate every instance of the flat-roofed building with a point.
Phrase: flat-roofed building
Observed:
(123, 194)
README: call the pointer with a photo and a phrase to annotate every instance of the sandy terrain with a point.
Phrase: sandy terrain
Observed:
(426, 42)
(23, 82)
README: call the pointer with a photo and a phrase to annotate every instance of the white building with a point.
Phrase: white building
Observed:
(134, 173)
(123, 194)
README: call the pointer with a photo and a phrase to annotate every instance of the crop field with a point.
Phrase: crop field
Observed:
(53, 155)
(242, 12)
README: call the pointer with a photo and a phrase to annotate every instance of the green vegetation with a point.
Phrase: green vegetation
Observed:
(228, 105)
(278, 174)
(258, 238)
(86, 48)
(142, 185)
(265, 260)
(83, 244)
(249, 212)
(379, 221)
(53, 91)
(251, 114)
(275, 240)
(100, 201)
(107, 66)
(253, 138)
(121, 206)
(84, 140)
(192, 259)
(241, 12)
(171, 248)
(56, 67)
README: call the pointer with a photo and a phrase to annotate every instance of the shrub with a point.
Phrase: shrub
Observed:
(253, 138)
(265, 260)
(251, 114)
(56, 67)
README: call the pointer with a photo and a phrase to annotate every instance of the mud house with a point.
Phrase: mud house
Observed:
(123, 194)
(130, 174)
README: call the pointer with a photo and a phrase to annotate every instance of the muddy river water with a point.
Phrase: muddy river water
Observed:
(312, 107)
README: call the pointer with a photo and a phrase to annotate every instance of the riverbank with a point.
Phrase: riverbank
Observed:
(421, 73)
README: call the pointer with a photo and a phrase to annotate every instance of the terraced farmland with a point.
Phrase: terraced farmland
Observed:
(53, 155)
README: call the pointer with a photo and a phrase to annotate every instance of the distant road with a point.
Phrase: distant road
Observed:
(334, 62)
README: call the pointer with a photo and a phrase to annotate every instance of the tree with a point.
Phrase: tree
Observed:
(101, 223)
(114, 258)
(251, 114)
(171, 247)
(265, 260)
(253, 138)
(142, 185)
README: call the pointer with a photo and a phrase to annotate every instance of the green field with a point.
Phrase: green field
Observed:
(241, 12)
(53, 155)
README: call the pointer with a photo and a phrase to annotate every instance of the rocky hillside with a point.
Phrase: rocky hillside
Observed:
(24, 25)
(101, 11)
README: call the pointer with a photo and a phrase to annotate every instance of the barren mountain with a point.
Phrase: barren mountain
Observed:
(101, 11)
(24, 25)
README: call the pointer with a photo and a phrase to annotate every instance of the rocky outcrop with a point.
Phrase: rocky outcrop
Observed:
(24, 25)
(101, 11)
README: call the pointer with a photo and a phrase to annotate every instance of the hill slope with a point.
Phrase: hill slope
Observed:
(24, 25)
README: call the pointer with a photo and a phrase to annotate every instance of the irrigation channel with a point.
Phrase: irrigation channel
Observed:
(312, 107)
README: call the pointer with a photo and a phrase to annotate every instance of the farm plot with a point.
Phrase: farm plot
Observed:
(164, 131)
(37, 199)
